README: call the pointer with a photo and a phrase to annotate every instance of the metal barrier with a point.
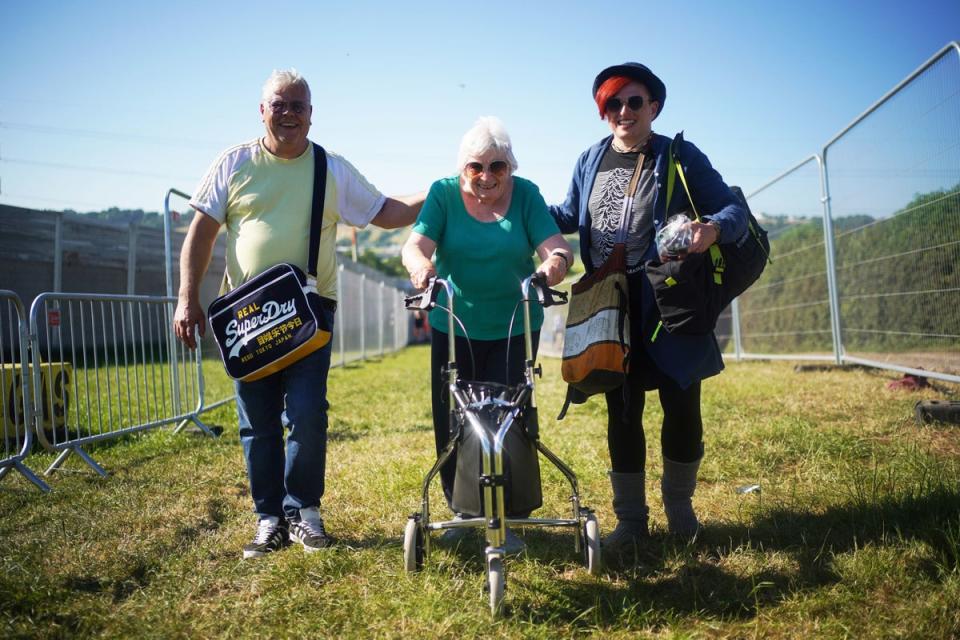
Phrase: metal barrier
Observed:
(371, 320)
(81, 368)
(894, 200)
(787, 313)
(870, 279)
(18, 412)
(103, 368)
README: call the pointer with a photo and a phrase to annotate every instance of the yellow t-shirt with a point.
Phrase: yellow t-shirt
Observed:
(266, 203)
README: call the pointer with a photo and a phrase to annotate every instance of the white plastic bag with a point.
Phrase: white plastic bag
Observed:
(674, 238)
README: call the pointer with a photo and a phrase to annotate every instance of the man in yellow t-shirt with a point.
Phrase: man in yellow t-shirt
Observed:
(262, 191)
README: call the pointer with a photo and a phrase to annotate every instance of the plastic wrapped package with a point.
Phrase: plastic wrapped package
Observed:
(674, 238)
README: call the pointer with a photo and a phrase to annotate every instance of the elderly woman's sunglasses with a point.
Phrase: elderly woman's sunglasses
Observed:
(474, 169)
(614, 105)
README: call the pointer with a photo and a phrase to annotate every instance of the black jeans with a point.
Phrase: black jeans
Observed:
(491, 362)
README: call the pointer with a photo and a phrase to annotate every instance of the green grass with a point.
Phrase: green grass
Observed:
(855, 533)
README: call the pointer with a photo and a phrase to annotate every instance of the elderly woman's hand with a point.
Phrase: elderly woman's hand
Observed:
(415, 256)
(420, 276)
(556, 256)
(554, 268)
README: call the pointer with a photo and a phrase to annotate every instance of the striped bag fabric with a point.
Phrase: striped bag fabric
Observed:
(596, 344)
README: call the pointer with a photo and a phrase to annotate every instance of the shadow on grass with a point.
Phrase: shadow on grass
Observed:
(666, 578)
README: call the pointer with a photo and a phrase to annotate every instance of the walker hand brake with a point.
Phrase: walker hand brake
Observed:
(423, 300)
(545, 295)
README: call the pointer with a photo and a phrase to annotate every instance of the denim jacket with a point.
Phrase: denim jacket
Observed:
(685, 359)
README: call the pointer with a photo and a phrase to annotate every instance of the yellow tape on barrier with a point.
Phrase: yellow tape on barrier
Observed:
(54, 401)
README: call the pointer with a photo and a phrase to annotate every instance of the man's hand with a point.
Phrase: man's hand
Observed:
(189, 314)
(194, 260)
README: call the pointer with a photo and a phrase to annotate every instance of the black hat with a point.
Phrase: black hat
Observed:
(639, 73)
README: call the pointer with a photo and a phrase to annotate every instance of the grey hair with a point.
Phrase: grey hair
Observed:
(281, 79)
(486, 133)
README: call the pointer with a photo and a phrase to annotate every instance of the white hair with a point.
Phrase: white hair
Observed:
(486, 133)
(281, 79)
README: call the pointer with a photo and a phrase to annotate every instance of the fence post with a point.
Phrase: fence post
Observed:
(397, 316)
(58, 252)
(363, 316)
(343, 323)
(380, 314)
(735, 325)
(168, 268)
(132, 257)
(835, 326)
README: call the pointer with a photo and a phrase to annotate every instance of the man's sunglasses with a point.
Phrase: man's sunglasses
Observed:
(475, 169)
(614, 105)
(280, 106)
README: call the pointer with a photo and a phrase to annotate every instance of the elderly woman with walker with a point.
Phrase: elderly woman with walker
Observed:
(484, 225)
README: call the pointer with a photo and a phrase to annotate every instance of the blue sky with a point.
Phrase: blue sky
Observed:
(112, 103)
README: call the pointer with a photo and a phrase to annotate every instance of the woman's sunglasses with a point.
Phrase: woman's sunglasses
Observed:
(475, 169)
(614, 105)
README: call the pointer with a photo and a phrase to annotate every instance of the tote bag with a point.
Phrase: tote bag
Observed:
(596, 343)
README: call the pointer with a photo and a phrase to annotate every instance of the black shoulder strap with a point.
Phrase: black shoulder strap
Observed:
(316, 219)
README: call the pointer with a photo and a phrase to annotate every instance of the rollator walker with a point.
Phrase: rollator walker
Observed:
(493, 418)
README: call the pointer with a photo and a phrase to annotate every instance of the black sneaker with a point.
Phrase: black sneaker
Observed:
(307, 529)
(272, 535)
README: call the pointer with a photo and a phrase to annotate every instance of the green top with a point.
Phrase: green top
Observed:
(484, 262)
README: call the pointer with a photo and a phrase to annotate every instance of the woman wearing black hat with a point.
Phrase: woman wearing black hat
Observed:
(630, 97)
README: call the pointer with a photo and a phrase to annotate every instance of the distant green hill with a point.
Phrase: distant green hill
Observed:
(898, 280)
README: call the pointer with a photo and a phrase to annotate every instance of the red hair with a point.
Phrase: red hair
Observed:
(610, 87)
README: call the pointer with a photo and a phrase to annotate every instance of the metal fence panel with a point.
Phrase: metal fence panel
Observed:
(17, 412)
(371, 317)
(787, 312)
(349, 312)
(894, 183)
(102, 368)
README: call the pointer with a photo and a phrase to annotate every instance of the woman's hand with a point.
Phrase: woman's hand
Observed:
(554, 269)
(556, 256)
(415, 255)
(420, 276)
(704, 235)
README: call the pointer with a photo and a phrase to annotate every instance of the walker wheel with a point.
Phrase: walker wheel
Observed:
(591, 547)
(413, 545)
(496, 584)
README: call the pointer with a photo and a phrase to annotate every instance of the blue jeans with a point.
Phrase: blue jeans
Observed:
(284, 479)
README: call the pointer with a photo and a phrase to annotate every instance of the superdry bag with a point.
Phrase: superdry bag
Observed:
(596, 344)
(692, 292)
(275, 318)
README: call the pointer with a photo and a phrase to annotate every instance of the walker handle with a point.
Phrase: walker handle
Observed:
(546, 296)
(424, 300)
